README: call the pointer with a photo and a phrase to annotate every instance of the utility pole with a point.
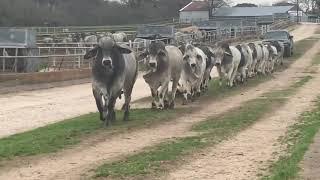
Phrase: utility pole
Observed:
(297, 11)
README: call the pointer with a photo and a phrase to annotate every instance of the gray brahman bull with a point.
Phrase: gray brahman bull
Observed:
(280, 49)
(210, 62)
(245, 62)
(256, 58)
(227, 60)
(114, 71)
(194, 66)
(273, 55)
(165, 65)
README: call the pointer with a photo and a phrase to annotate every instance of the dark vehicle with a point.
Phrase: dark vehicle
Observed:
(282, 36)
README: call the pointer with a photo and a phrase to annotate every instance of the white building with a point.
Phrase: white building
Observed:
(195, 11)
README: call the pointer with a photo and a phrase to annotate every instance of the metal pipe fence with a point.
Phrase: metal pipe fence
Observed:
(60, 56)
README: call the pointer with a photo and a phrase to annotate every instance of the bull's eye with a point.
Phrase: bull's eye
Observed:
(198, 56)
(161, 53)
(186, 57)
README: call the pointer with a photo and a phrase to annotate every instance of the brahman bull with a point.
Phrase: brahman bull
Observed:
(210, 62)
(194, 66)
(256, 58)
(165, 65)
(245, 62)
(114, 71)
(227, 60)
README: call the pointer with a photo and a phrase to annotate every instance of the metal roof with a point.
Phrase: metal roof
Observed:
(251, 11)
(196, 6)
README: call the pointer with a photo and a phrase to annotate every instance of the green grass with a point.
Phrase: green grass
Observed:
(298, 140)
(63, 134)
(157, 160)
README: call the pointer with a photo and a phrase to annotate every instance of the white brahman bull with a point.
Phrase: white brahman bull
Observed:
(227, 60)
(194, 66)
(164, 64)
(245, 62)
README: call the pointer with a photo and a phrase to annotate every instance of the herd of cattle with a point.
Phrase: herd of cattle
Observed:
(187, 66)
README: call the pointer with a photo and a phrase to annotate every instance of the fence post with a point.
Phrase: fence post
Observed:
(16, 61)
(4, 60)
(130, 43)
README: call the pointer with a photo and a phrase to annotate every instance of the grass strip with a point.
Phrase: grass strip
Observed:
(156, 160)
(298, 140)
(60, 135)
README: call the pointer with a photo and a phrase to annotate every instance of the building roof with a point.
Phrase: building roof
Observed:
(251, 11)
(196, 6)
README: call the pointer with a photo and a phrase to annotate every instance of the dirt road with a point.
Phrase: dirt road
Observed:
(70, 164)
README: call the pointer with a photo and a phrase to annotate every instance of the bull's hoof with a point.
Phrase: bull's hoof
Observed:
(101, 117)
(171, 106)
(184, 102)
(126, 116)
(166, 104)
(198, 94)
(160, 107)
(106, 123)
(153, 105)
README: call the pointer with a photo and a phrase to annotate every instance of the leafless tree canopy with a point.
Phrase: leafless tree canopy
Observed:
(86, 12)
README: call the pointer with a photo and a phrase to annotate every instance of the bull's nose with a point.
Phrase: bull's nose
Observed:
(218, 64)
(152, 64)
(106, 62)
(193, 65)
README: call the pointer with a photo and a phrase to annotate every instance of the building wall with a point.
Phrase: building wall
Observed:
(193, 16)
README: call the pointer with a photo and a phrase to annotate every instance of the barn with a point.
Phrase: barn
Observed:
(194, 11)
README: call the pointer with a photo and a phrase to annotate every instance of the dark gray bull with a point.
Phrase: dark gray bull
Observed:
(165, 65)
(114, 69)
(210, 62)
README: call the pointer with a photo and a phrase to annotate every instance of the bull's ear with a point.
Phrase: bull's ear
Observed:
(228, 53)
(92, 53)
(123, 50)
(182, 48)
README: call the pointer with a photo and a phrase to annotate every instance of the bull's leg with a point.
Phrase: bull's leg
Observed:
(166, 99)
(232, 75)
(220, 75)
(162, 94)
(111, 115)
(99, 103)
(173, 93)
(127, 100)
(154, 98)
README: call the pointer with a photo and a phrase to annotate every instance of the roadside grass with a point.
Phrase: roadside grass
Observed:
(63, 134)
(298, 140)
(70, 132)
(157, 160)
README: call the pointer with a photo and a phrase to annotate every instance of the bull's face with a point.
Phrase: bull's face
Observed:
(192, 57)
(220, 53)
(107, 52)
(155, 54)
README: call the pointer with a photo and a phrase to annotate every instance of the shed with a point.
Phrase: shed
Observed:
(262, 15)
(18, 42)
